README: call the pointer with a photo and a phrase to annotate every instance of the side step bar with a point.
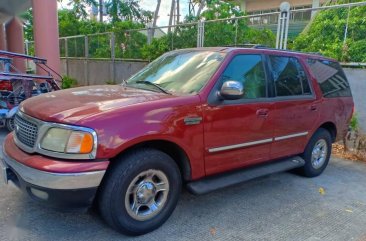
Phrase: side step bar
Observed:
(212, 183)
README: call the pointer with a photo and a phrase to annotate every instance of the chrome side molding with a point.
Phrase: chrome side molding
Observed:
(279, 138)
(253, 143)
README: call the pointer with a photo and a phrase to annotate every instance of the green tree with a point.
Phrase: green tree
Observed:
(28, 24)
(217, 33)
(124, 10)
(80, 6)
(326, 34)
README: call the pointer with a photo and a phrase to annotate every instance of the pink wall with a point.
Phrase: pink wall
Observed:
(46, 32)
(15, 41)
(2, 37)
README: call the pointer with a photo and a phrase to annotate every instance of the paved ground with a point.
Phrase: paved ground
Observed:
(278, 207)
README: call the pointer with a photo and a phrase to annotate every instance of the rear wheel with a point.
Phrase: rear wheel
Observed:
(140, 192)
(317, 154)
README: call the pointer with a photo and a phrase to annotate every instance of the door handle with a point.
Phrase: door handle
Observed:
(262, 113)
(313, 107)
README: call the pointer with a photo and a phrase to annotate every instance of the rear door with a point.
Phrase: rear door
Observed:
(295, 110)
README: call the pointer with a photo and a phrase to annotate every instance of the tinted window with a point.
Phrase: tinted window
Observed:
(330, 77)
(249, 70)
(289, 76)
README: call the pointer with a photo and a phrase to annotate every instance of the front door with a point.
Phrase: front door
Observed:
(239, 132)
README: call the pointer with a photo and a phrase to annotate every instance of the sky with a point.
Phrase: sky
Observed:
(164, 9)
(150, 5)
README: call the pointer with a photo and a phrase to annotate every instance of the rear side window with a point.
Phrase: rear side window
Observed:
(289, 76)
(331, 78)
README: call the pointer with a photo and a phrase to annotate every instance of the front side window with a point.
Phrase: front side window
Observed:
(330, 77)
(249, 70)
(184, 72)
(289, 77)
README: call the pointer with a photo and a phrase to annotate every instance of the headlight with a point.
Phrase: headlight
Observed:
(68, 141)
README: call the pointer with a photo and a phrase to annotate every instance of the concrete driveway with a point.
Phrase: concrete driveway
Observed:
(277, 207)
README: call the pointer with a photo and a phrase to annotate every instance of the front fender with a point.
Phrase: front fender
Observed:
(129, 126)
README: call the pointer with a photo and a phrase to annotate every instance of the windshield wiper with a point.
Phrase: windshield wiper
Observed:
(153, 84)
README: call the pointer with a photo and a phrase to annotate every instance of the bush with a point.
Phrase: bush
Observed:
(357, 50)
(68, 82)
(354, 122)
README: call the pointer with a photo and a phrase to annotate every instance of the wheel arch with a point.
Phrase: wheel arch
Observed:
(172, 149)
(331, 127)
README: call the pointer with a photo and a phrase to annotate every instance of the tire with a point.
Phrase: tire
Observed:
(141, 173)
(316, 164)
(10, 124)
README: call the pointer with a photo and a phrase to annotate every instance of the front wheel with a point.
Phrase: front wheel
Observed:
(317, 153)
(140, 191)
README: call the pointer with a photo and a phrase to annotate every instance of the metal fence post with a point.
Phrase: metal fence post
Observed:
(86, 70)
(113, 42)
(26, 47)
(66, 57)
(27, 53)
(200, 33)
(86, 46)
(283, 25)
(236, 32)
(113, 56)
(150, 33)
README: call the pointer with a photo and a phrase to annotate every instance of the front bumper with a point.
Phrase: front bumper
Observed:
(57, 183)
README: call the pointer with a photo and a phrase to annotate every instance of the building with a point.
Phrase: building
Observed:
(263, 6)
(253, 7)
(298, 20)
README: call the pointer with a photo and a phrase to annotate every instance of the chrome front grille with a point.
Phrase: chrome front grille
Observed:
(26, 132)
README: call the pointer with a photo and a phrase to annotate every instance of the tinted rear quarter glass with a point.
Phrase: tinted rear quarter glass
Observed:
(330, 77)
(289, 76)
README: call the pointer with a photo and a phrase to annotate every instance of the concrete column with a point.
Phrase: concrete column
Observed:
(316, 4)
(243, 5)
(46, 41)
(2, 37)
(15, 41)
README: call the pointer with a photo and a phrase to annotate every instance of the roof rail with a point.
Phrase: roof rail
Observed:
(246, 45)
(260, 46)
(292, 51)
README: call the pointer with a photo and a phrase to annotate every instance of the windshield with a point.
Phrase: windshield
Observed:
(184, 72)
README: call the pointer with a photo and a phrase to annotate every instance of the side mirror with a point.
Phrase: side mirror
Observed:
(232, 90)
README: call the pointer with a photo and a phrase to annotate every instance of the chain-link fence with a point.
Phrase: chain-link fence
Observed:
(335, 29)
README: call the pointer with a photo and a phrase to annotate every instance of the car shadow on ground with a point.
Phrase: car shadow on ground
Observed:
(280, 206)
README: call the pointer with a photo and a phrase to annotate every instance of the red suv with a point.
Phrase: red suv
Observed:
(200, 118)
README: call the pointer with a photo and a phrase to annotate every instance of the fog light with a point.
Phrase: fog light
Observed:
(38, 193)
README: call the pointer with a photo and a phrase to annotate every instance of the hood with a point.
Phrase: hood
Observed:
(73, 105)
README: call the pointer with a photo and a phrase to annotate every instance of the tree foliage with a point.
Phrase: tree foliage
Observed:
(217, 33)
(326, 35)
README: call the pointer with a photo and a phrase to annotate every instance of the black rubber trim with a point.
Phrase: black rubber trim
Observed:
(65, 200)
(212, 183)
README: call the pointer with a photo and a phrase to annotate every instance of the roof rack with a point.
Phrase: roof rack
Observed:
(292, 51)
(260, 46)
(245, 45)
